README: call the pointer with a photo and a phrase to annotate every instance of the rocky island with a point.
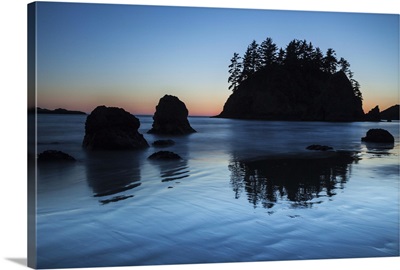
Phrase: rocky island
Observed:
(298, 83)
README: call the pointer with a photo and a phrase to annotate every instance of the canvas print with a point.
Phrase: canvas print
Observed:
(164, 135)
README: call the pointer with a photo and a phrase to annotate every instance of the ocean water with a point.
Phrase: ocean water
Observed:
(243, 191)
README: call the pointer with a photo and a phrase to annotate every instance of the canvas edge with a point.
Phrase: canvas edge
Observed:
(32, 149)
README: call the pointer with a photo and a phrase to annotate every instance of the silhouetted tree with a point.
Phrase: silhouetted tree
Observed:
(356, 89)
(317, 58)
(330, 61)
(235, 69)
(305, 51)
(281, 57)
(267, 52)
(298, 55)
(344, 65)
(292, 53)
(251, 60)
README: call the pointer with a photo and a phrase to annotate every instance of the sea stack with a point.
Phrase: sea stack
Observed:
(374, 115)
(378, 135)
(170, 117)
(111, 128)
(279, 95)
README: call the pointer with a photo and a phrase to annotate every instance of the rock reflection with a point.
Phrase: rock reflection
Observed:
(111, 173)
(379, 149)
(297, 179)
(172, 170)
(181, 171)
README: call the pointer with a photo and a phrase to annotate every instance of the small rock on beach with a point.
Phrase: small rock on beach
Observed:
(55, 155)
(318, 147)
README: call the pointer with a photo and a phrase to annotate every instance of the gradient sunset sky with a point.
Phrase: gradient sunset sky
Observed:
(130, 56)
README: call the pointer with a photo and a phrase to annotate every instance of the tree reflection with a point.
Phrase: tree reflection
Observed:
(296, 179)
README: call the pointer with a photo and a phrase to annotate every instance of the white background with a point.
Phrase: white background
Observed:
(13, 140)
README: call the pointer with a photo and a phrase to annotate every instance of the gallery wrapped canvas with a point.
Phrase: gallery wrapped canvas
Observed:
(167, 135)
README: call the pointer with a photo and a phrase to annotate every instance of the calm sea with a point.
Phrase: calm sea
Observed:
(215, 205)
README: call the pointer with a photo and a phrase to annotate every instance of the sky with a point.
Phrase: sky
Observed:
(130, 56)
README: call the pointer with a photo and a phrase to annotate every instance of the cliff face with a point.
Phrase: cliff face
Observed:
(280, 94)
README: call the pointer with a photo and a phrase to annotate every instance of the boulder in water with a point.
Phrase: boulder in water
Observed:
(111, 128)
(164, 155)
(318, 147)
(378, 136)
(55, 155)
(171, 117)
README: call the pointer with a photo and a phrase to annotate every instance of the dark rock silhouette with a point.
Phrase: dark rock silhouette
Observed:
(164, 155)
(278, 93)
(373, 115)
(55, 156)
(391, 113)
(318, 147)
(111, 128)
(56, 111)
(163, 143)
(378, 136)
(171, 117)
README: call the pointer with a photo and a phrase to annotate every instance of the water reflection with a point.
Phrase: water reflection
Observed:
(379, 149)
(173, 170)
(296, 179)
(111, 173)
(176, 172)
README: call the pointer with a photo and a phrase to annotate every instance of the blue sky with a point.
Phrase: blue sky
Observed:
(130, 56)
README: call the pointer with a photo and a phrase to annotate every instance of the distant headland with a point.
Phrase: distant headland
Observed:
(56, 111)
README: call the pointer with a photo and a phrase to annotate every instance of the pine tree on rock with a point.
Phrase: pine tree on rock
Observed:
(235, 71)
(330, 61)
(267, 52)
(298, 58)
(251, 61)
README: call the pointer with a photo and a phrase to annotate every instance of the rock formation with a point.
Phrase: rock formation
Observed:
(373, 115)
(54, 156)
(282, 94)
(164, 155)
(171, 117)
(110, 128)
(378, 136)
(391, 113)
(318, 147)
